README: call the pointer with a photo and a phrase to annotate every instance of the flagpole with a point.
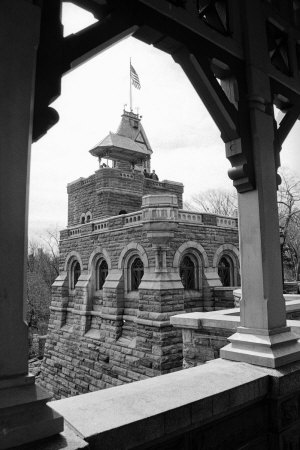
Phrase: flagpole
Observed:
(130, 87)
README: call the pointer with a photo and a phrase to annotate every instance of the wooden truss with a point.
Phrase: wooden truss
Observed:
(211, 40)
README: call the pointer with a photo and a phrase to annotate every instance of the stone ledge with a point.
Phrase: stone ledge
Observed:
(213, 319)
(140, 412)
(273, 349)
(224, 318)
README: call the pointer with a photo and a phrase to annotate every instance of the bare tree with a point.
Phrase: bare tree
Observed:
(42, 269)
(214, 201)
(51, 240)
(224, 202)
(289, 219)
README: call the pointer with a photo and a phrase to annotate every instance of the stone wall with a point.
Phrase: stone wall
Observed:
(99, 339)
(200, 346)
(223, 298)
(110, 191)
(82, 197)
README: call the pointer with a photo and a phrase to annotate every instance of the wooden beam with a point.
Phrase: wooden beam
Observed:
(99, 11)
(79, 47)
(220, 108)
(192, 23)
(286, 125)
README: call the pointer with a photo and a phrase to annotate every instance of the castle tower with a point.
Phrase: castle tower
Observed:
(130, 258)
(119, 184)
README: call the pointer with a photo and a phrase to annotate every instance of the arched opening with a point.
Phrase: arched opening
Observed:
(225, 271)
(74, 274)
(101, 274)
(136, 273)
(188, 273)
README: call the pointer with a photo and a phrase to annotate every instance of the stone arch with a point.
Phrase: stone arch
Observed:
(229, 249)
(70, 256)
(82, 219)
(129, 250)
(230, 253)
(97, 252)
(88, 217)
(193, 246)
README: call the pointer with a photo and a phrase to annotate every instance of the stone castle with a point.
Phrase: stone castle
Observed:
(131, 258)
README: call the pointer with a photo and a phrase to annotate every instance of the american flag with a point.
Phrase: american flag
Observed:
(134, 78)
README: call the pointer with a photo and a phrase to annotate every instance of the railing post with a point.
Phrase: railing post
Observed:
(263, 337)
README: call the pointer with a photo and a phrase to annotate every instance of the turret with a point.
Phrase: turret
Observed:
(128, 148)
(120, 183)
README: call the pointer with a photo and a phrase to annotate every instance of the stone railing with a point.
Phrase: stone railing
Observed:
(151, 182)
(196, 217)
(189, 216)
(154, 212)
(223, 221)
(100, 225)
(80, 182)
(133, 218)
(126, 175)
(75, 231)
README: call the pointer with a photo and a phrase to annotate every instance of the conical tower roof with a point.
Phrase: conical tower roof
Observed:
(129, 143)
(131, 127)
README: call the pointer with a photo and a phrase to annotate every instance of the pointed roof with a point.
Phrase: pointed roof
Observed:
(132, 128)
(130, 143)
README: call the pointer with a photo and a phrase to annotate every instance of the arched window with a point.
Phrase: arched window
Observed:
(101, 273)
(75, 274)
(225, 271)
(88, 218)
(82, 219)
(188, 273)
(136, 273)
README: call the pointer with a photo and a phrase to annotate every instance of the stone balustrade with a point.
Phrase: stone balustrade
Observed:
(223, 221)
(189, 216)
(75, 231)
(133, 218)
(152, 212)
(101, 225)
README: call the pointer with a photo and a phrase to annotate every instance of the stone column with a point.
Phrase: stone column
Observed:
(24, 415)
(161, 289)
(263, 337)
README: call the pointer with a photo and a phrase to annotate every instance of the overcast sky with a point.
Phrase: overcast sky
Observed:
(186, 143)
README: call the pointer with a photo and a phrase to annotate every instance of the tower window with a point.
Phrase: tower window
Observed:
(101, 274)
(187, 273)
(75, 274)
(136, 272)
